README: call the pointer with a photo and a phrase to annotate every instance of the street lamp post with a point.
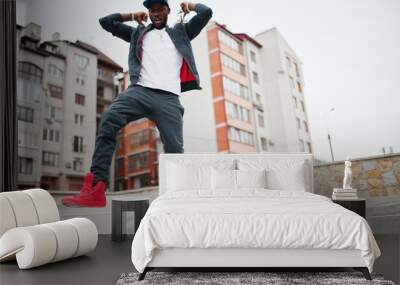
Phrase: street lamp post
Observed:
(329, 136)
(330, 146)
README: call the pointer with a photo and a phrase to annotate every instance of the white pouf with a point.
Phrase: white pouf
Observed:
(31, 232)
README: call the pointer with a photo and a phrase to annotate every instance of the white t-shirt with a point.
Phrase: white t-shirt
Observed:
(161, 62)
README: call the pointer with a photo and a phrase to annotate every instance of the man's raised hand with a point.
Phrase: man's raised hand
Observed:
(187, 7)
(140, 17)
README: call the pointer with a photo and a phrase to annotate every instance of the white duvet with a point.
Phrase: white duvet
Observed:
(253, 218)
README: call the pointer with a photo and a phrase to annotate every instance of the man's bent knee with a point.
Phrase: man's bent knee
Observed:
(110, 121)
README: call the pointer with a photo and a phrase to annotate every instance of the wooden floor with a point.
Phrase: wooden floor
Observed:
(103, 266)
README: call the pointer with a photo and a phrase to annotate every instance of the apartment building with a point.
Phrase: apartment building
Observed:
(232, 99)
(60, 85)
(30, 95)
(285, 104)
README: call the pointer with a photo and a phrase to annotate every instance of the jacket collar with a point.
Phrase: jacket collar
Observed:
(150, 27)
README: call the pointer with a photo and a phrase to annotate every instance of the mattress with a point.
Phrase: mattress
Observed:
(251, 218)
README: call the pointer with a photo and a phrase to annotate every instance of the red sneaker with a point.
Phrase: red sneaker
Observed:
(88, 184)
(95, 197)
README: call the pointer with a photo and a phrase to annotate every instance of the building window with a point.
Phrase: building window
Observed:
(51, 135)
(78, 144)
(253, 56)
(299, 87)
(232, 64)
(237, 112)
(291, 81)
(30, 71)
(241, 136)
(52, 112)
(99, 108)
(119, 164)
(79, 99)
(25, 165)
(298, 123)
(295, 101)
(229, 41)
(100, 91)
(309, 147)
(301, 145)
(50, 158)
(233, 134)
(235, 88)
(79, 119)
(78, 164)
(55, 91)
(140, 181)
(119, 185)
(261, 120)
(232, 110)
(140, 138)
(264, 145)
(25, 114)
(258, 98)
(302, 106)
(255, 77)
(138, 161)
(80, 79)
(305, 126)
(288, 62)
(54, 71)
(297, 69)
(81, 61)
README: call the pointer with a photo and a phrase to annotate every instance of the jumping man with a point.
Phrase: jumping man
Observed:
(161, 66)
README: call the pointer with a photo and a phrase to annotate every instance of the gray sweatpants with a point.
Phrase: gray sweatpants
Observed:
(136, 102)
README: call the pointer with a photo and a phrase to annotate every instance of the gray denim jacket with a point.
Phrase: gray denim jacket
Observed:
(181, 35)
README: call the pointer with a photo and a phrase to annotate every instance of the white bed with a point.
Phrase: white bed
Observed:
(222, 217)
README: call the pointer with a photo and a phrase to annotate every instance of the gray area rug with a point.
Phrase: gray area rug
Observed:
(229, 278)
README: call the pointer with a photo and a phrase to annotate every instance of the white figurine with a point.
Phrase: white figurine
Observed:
(347, 174)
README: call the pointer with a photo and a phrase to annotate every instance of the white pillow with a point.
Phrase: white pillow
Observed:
(223, 179)
(182, 177)
(185, 175)
(291, 178)
(251, 178)
(282, 174)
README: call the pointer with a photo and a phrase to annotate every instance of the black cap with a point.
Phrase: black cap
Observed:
(147, 3)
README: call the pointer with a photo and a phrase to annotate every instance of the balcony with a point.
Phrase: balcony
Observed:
(258, 105)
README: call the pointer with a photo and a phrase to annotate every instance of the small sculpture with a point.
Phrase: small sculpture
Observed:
(347, 174)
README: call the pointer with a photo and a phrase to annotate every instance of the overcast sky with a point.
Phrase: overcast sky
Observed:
(350, 51)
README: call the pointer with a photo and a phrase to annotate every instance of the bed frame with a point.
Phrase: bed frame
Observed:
(238, 259)
(244, 259)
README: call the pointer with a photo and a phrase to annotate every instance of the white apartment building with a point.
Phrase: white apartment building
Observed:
(79, 113)
(284, 100)
(255, 68)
